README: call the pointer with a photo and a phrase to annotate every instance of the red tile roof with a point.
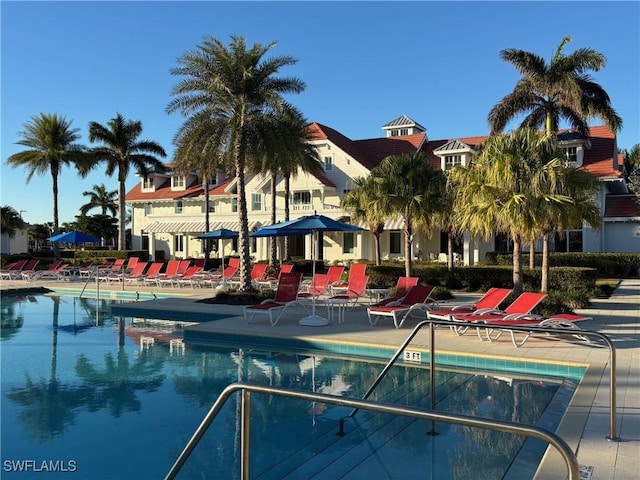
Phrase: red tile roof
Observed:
(622, 206)
(598, 160)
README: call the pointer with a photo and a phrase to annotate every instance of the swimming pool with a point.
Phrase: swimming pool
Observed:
(81, 394)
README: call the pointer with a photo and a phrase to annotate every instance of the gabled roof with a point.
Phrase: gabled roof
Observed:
(404, 121)
(377, 149)
(598, 160)
(164, 192)
(452, 146)
(621, 206)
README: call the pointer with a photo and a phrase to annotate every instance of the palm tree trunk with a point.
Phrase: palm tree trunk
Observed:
(408, 239)
(243, 238)
(287, 243)
(532, 255)
(207, 223)
(56, 219)
(450, 262)
(544, 286)
(122, 239)
(376, 239)
(518, 286)
(273, 256)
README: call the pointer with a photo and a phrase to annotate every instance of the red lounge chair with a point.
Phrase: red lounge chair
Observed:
(565, 321)
(221, 279)
(272, 282)
(286, 295)
(189, 277)
(152, 273)
(28, 270)
(488, 302)
(355, 270)
(522, 305)
(403, 285)
(355, 290)
(418, 298)
(257, 273)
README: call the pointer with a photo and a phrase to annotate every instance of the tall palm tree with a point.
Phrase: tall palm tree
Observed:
(290, 151)
(100, 197)
(10, 221)
(561, 90)
(196, 150)
(362, 204)
(508, 186)
(234, 88)
(409, 186)
(122, 151)
(547, 94)
(51, 144)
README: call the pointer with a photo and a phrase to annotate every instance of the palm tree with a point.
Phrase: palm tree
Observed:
(196, 150)
(547, 94)
(509, 186)
(408, 186)
(233, 89)
(38, 233)
(10, 221)
(362, 203)
(561, 90)
(121, 151)
(50, 143)
(100, 198)
(290, 152)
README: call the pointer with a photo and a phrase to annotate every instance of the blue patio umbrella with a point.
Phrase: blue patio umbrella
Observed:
(219, 234)
(310, 224)
(74, 237)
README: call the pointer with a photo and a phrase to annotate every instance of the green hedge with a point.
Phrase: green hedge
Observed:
(607, 264)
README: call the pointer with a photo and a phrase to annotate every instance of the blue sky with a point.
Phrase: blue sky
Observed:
(364, 64)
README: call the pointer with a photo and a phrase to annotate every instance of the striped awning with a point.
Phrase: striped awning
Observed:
(194, 227)
(389, 224)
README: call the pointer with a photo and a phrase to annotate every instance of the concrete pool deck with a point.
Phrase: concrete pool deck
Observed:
(586, 425)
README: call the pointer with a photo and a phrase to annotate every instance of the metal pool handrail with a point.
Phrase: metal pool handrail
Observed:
(432, 322)
(246, 389)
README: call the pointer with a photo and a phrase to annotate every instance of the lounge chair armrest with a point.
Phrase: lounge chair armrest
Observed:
(465, 307)
(489, 311)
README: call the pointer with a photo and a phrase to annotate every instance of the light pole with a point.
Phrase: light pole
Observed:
(20, 213)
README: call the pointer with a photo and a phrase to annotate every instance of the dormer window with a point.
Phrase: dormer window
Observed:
(328, 163)
(572, 155)
(451, 161)
(147, 183)
(177, 182)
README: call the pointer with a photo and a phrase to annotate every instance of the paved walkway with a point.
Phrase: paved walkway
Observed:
(586, 425)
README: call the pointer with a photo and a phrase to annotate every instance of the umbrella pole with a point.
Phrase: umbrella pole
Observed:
(313, 320)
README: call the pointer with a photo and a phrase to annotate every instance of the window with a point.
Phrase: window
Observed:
(178, 243)
(571, 153)
(177, 182)
(253, 242)
(394, 242)
(177, 206)
(212, 206)
(234, 204)
(148, 209)
(568, 241)
(404, 131)
(348, 243)
(451, 161)
(394, 133)
(145, 242)
(328, 163)
(147, 183)
(301, 198)
(256, 202)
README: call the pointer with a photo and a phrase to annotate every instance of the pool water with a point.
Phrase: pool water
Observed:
(92, 396)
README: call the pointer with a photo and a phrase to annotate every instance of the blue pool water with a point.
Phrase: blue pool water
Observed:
(85, 395)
